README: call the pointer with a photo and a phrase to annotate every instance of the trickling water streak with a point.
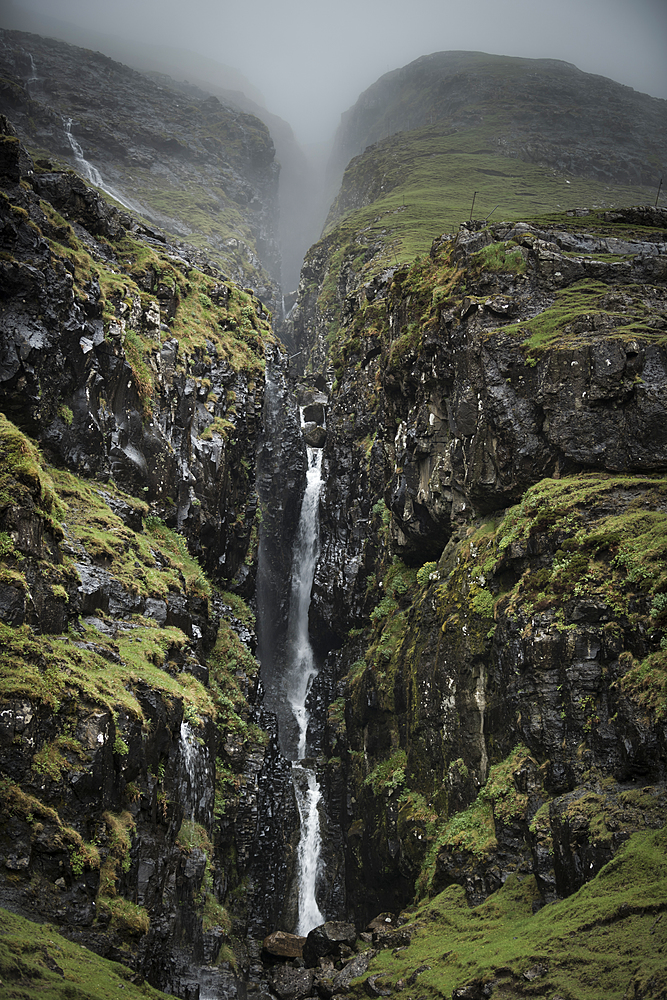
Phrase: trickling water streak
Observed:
(195, 779)
(33, 78)
(92, 174)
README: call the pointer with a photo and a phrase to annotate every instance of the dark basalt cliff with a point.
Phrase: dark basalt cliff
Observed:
(135, 769)
(188, 163)
(493, 560)
(513, 353)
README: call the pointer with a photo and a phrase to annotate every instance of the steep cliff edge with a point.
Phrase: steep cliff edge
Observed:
(459, 135)
(134, 764)
(188, 163)
(501, 672)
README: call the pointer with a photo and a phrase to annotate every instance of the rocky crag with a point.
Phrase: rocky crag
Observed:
(186, 162)
(134, 765)
(493, 571)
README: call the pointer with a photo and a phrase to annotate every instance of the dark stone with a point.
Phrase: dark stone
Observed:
(351, 970)
(284, 945)
(292, 984)
(327, 939)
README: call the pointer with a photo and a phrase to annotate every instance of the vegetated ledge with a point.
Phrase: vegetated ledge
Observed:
(130, 357)
(112, 637)
(608, 939)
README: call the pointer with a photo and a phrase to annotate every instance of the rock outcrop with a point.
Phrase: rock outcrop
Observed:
(186, 162)
(518, 364)
(136, 771)
(125, 360)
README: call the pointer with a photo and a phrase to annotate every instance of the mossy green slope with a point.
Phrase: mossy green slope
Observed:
(403, 193)
(36, 961)
(609, 939)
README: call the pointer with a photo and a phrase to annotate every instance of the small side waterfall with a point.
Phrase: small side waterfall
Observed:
(33, 78)
(195, 778)
(93, 175)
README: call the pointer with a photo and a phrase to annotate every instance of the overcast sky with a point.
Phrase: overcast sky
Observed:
(312, 59)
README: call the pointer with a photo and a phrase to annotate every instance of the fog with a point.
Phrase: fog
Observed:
(310, 60)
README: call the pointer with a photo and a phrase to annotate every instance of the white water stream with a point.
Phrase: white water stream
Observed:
(93, 175)
(301, 671)
(195, 779)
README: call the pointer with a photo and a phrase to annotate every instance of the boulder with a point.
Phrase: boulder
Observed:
(328, 939)
(314, 412)
(284, 945)
(381, 922)
(292, 984)
(351, 970)
(314, 435)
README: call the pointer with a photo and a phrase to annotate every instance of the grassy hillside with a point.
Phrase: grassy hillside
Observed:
(37, 961)
(402, 193)
(608, 940)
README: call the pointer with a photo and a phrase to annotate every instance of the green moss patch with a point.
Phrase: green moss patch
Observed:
(36, 961)
(608, 939)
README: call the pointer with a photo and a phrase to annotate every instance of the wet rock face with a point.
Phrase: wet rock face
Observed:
(69, 378)
(442, 416)
(281, 482)
(162, 146)
(461, 425)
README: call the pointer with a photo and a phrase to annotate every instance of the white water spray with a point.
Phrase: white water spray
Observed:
(93, 175)
(308, 797)
(195, 780)
(298, 680)
(33, 78)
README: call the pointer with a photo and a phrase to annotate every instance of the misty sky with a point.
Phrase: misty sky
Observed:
(312, 59)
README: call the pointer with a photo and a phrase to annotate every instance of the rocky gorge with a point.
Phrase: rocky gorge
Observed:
(487, 723)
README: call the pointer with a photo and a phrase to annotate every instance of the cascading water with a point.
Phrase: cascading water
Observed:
(195, 778)
(301, 671)
(93, 175)
(289, 549)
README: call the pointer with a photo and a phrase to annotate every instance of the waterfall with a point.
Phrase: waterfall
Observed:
(33, 78)
(93, 175)
(301, 671)
(289, 549)
(308, 797)
(301, 668)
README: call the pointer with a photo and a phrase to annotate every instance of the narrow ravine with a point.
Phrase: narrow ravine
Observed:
(288, 662)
